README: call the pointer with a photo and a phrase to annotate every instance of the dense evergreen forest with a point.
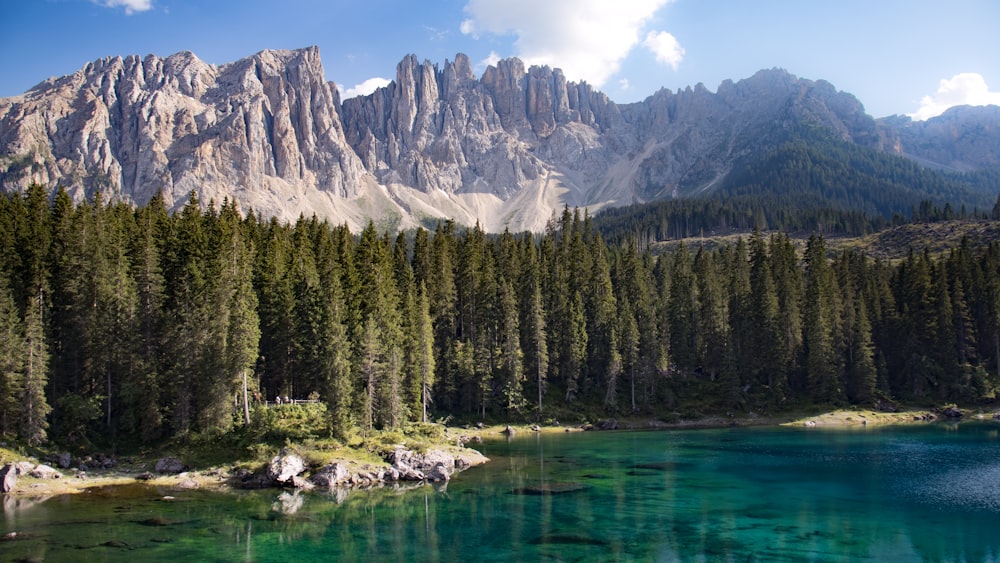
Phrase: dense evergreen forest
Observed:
(129, 326)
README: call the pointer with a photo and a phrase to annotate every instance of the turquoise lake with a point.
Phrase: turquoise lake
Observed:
(915, 493)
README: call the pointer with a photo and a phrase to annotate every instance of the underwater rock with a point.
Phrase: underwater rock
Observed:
(544, 489)
(188, 484)
(567, 539)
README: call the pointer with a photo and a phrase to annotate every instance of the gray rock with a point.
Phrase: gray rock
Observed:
(187, 484)
(65, 460)
(953, 412)
(286, 465)
(8, 478)
(438, 465)
(609, 424)
(43, 471)
(24, 467)
(302, 483)
(332, 475)
(170, 465)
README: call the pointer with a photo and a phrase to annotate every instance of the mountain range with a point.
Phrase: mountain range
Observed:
(508, 149)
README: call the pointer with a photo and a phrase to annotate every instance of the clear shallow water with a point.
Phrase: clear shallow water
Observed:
(924, 493)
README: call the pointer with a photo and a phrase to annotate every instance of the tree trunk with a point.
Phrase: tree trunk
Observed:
(246, 400)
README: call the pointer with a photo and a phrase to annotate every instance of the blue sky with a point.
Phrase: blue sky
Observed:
(912, 57)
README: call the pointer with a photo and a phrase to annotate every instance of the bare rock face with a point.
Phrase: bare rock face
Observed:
(509, 149)
(130, 127)
(963, 138)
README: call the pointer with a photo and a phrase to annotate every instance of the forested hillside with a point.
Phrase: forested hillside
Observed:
(810, 182)
(128, 326)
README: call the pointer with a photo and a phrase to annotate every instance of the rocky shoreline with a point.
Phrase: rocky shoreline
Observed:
(401, 467)
(287, 470)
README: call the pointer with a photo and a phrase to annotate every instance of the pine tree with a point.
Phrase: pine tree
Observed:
(234, 287)
(424, 339)
(379, 302)
(681, 310)
(764, 339)
(533, 334)
(862, 377)
(333, 346)
(35, 407)
(712, 316)
(187, 331)
(12, 352)
(370, 368)
(604, 362)
(819, 324)
(141, 392)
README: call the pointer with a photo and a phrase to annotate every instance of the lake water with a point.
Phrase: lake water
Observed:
(920, 493)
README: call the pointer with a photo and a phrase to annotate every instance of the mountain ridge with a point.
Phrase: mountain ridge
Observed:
(507, 150)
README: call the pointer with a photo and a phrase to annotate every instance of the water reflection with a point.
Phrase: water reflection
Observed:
(922, 494)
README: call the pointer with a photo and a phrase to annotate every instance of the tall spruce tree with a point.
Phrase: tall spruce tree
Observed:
(12, 356)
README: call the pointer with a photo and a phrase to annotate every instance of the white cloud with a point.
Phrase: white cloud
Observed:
(365, 88)
(623, 84)
(963, 89)
(666, 48)
(490, 60)
(131, 6)
(587, 39)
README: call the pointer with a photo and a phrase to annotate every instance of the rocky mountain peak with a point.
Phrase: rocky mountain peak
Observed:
(508, 149)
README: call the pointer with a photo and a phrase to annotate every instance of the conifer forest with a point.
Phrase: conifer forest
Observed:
(134, 325)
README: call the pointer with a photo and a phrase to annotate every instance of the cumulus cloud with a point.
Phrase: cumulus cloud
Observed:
(131, 6)
(491, 60)
(365, 88)
(587, 39)
(665, 47)
(963, 89)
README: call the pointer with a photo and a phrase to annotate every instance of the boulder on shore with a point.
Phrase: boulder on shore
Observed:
(170, 465)
(435, 465)
(8, 478)
(331, 475)
(24, 467)
(952, 412)
(438, 465)
(285, 466)
(45, 472)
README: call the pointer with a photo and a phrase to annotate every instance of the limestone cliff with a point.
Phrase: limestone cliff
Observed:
(507, 149)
